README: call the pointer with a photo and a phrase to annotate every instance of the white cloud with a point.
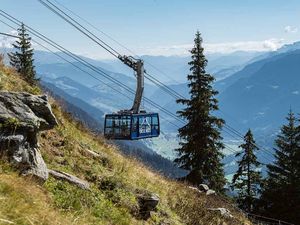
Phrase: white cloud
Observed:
(226, 47)
(290, 29)
(266, 45)
(273, 44)
(13, 32)
(182, 49)
(6, 41)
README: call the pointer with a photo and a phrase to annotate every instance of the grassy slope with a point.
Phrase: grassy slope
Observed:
(115, 181)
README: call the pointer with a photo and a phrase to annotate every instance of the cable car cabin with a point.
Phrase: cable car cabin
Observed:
(131, 126)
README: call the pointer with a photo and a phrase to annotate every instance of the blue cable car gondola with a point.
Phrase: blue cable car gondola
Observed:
(132, 124)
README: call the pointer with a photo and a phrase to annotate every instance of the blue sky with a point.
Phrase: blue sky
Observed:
(167, 27)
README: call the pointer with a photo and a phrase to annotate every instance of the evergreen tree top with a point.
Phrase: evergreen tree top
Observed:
(247, 178)
(22, 59)
(286, 168)
(200, 148)
(281, 194)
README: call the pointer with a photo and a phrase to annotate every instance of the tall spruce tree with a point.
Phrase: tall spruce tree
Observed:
(200, 145)
(281, 193)
(22, 58)
(247, 178)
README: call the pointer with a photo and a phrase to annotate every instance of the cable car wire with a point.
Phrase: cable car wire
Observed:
(79, 27)
(9, 35)
(97, 40)
(114, 40)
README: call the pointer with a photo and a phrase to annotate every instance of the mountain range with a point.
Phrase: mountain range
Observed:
(256, 91)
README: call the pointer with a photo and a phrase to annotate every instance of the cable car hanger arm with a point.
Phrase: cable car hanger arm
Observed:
(138, 66)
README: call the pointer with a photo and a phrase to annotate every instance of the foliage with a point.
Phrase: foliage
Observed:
(281, 192)
(200, 146)
(22, 58)
(247, 179)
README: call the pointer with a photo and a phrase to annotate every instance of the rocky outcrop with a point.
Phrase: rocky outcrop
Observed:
(22, 116)
(69, 178)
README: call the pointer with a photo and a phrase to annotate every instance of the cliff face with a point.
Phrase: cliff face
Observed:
(90, 182)
(22, 116)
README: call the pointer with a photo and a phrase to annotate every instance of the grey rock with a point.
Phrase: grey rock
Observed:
(210, 192)
(223, 212)
(70, 178)
(203, 187)
(32, 111)
(22, 116)
(147, 204)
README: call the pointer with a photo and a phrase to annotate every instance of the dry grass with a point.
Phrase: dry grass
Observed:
(22, 201)
(12, 81)
(115, 181)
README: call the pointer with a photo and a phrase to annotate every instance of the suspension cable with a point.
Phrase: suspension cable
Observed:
(55, 9)
(114, 40)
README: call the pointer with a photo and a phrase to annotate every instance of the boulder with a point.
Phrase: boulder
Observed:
(147, 204)
(22, 116)
(223, 212)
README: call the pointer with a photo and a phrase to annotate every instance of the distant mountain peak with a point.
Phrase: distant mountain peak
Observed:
(289, 47)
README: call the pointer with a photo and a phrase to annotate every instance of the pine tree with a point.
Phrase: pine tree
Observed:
(22, 58)
(281, 193)
(247, 179)
(200, 145)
